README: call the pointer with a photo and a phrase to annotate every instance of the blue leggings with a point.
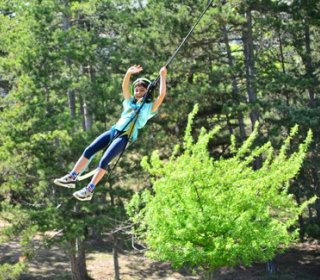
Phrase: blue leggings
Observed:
(101, 142)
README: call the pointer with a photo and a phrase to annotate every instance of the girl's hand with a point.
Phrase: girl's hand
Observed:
(135, 69)
(163, 71)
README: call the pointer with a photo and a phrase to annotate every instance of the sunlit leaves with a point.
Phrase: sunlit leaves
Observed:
(214, 213)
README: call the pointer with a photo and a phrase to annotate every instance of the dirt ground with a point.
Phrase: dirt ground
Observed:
(301, 262)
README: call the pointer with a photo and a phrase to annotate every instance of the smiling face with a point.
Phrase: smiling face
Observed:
(140, 90)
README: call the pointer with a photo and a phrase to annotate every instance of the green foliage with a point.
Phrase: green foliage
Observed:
(49, 49)
(213, 213)
(12, 272)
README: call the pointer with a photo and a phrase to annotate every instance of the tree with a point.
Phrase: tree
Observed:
(212, 213)
(48, 50)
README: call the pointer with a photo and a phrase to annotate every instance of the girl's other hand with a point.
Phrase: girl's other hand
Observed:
(134, 69)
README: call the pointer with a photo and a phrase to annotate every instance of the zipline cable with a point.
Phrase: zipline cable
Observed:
(156, 81)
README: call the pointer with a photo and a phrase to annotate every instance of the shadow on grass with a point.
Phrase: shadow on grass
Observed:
(301, 262)
(141, 268)
(50, 264)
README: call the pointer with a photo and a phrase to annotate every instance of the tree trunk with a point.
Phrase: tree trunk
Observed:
(209, 275)
(312, 82)
(317, 205)
(283, 90)
(70, 93)
(316, 183)
(250, 75)
(229, 125)
(82, 113)
(115, 257)
(249, 66)
(271, 267)
(307, 60)
(78, 260)
(87, 117)
(77, 255)
(310, 214)
(300, 219)
(72, 103)
(235, 88)
(47, 99)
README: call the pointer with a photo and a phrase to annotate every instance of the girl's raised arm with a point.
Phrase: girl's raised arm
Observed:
(162, 90)
(126, 80)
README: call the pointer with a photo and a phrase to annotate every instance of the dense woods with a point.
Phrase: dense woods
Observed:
(61, 68)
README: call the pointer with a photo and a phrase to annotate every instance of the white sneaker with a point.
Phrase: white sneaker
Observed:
(66, 181)
(83, 194)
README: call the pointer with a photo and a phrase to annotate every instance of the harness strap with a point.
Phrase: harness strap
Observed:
(129, 131)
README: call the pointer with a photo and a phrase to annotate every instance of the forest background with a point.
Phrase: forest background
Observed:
(61, 67)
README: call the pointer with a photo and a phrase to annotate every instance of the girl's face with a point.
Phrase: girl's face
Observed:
(139, 91)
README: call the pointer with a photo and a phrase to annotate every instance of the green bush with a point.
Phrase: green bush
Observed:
(212, 213)
(12, 272)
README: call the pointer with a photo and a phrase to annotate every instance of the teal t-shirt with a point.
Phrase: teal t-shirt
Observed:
(129, 110)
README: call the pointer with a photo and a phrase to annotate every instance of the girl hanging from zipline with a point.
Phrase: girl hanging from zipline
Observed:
(137, 110)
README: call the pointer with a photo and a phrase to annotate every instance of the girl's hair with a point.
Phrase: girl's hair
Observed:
(143, 83)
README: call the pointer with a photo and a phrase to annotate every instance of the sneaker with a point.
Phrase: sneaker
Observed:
(83, 194)
(66, 181)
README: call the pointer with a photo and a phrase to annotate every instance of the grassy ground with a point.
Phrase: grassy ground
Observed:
(300, 262)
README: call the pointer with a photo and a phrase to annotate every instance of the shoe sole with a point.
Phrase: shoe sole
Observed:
(82, 199)
(68, 186)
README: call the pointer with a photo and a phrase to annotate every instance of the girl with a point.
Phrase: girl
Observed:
(120, 133)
